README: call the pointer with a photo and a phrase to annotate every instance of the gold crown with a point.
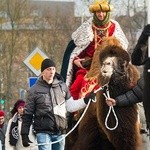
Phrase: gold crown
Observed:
(102, 5)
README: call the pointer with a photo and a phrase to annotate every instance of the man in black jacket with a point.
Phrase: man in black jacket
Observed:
(140, 57)
(46, 106)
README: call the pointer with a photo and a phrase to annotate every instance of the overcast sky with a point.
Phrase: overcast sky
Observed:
(81, 8)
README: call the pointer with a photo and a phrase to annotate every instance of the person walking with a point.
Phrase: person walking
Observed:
(140, 57)
(46, 106)
(3, 126)
(85, 40)
(13, 137)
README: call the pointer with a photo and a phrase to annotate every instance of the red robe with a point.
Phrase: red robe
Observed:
(81, 87)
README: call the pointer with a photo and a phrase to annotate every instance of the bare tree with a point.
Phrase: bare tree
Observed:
(10, 42)
(24, 28)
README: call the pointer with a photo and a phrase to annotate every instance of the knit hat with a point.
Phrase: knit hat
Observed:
(19, 103)
(102, 5)
(46, 63)
(2, 113)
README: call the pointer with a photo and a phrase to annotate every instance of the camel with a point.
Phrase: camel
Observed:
(113, 70)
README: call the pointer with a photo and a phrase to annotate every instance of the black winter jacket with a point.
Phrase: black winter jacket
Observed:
(45, 105)
(133, 96)
(140, 57)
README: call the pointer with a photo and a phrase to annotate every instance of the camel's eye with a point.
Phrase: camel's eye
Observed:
(108, 63)
(121, 65)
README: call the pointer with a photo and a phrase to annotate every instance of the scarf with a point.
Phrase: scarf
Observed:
(13, 133)
(98, 23)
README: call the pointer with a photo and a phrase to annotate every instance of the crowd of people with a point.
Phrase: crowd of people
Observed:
(42, 118)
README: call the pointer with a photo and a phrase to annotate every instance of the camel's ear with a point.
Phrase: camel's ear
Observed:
(133, 74)
(95, 67)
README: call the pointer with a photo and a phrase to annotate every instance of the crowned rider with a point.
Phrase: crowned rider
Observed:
(79, 52)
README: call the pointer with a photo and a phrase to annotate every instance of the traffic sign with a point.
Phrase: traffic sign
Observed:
(34, 59)
(32, 81)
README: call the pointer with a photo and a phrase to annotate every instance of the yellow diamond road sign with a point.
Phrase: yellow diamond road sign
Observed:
(34, 59)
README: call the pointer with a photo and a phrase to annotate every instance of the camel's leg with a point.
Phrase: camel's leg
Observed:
(89, 137)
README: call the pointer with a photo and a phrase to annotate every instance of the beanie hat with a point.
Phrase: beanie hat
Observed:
(2, 113)
(46, 63)
(19, 103)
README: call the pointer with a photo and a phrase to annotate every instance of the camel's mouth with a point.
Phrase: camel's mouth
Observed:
(106, 75)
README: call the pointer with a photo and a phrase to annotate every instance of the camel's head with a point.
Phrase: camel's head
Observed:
(113, 63)
(107, 67)
(114, 68)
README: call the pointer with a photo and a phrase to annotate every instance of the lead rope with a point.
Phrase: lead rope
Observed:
(87, 106)
(111, 108)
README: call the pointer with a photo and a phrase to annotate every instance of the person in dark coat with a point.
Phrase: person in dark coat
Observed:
(46, 106)
(140, 57)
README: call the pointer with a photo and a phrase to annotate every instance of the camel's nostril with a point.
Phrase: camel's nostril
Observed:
(104, 71)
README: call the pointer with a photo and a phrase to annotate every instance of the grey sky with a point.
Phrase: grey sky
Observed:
(81, 7)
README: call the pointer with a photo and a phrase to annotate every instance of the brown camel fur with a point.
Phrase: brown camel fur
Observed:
(92, 133)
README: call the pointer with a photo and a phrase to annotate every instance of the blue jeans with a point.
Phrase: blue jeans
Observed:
(46, 139)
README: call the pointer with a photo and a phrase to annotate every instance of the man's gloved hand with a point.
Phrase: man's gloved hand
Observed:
(144, 36)
(91, 96)
(146, 30)
(25, 140)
